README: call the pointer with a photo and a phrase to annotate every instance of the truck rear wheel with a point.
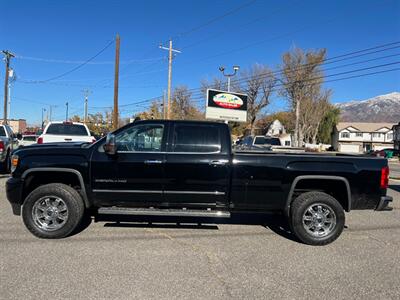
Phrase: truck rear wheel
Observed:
(316, 218)
(53, 211)
(6, 167)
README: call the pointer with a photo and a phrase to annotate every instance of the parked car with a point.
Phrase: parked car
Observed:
(388, 153)
(8, 142)
(27, 140)
(183, 169)
(56, 132)
(259, 142)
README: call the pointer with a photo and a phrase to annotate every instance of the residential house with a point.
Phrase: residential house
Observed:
(396, 136)
(276, 128)
(362, 137)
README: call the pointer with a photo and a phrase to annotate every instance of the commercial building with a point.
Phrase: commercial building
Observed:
(18, 126)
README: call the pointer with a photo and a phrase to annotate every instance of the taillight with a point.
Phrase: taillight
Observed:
(2, 146)
(93, 141)
(40, 140)
(384, 177)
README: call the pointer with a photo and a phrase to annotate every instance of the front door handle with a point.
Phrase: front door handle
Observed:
(221, 162)
(153, 162)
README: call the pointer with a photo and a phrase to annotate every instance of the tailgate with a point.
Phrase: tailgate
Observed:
(52, 138)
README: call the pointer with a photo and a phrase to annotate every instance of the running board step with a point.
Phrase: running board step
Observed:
(163, 212)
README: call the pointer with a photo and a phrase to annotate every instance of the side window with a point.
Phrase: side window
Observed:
(2, 131)
(196, 138)
(9, 131)
(141, 138)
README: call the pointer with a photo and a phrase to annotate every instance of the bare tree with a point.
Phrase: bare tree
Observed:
(154, 112)
(257, 82)
(302, 80)
(182, 107)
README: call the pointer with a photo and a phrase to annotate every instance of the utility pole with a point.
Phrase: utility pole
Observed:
(86, 93)
(8, 55)
(66, 113)
(116, 75)
(163, 104)
(170, 57)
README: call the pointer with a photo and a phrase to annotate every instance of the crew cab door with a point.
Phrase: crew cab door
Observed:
(197, 168)
(136, 171)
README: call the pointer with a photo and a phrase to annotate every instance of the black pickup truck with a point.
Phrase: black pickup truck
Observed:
(187, 169)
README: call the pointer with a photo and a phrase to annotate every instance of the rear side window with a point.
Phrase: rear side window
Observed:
(196, 138)
(67, 129)
(259, 141)
(273, 141)
(2, 131)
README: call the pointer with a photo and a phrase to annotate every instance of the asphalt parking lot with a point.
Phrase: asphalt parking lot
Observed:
(209, 262)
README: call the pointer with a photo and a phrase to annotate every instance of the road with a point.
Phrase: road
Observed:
(209, 262)
(394, 167)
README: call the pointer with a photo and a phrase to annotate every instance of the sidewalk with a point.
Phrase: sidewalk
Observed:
(394, 167)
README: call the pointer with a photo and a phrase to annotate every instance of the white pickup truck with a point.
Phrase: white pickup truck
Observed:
(56, 132)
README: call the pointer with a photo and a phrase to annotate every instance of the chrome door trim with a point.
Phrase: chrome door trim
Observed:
(195, 193)
(128, 191)
(215, 193)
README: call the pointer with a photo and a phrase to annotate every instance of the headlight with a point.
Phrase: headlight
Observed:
(14, 162)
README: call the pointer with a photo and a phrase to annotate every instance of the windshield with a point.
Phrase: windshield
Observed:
(2, 131)
(67, 129)
(29, 138)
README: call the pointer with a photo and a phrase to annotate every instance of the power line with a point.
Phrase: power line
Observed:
(196, 95)
(331, 75)
(77, 67)
(241, 27)
(213, 20)
(327, 61)
(267, 40)
(60, 61)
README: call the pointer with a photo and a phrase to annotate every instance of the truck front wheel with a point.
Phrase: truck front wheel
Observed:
(316, 218)
(53, 211)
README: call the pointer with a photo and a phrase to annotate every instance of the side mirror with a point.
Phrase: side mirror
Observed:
(19, 136)
(110, 147)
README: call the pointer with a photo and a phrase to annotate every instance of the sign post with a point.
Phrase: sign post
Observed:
(227, 106)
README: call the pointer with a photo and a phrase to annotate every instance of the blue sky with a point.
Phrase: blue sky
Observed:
(42, 33)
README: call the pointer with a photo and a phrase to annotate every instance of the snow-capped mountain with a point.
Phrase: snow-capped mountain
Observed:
(384, 108)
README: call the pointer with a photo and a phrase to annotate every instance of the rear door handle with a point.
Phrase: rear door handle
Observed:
(221, 162)
(153, 162)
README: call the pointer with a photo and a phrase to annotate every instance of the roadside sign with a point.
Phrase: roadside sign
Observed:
(228, 106)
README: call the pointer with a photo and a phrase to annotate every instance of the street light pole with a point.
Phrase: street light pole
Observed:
(66, 113)
(235, 69)
(8, 55)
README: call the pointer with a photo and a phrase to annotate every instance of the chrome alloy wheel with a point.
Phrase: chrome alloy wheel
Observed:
(319, 220)
(50, 213)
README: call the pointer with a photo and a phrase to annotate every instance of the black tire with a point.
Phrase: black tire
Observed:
(327, 204)
(72, 200)
(6, 167)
